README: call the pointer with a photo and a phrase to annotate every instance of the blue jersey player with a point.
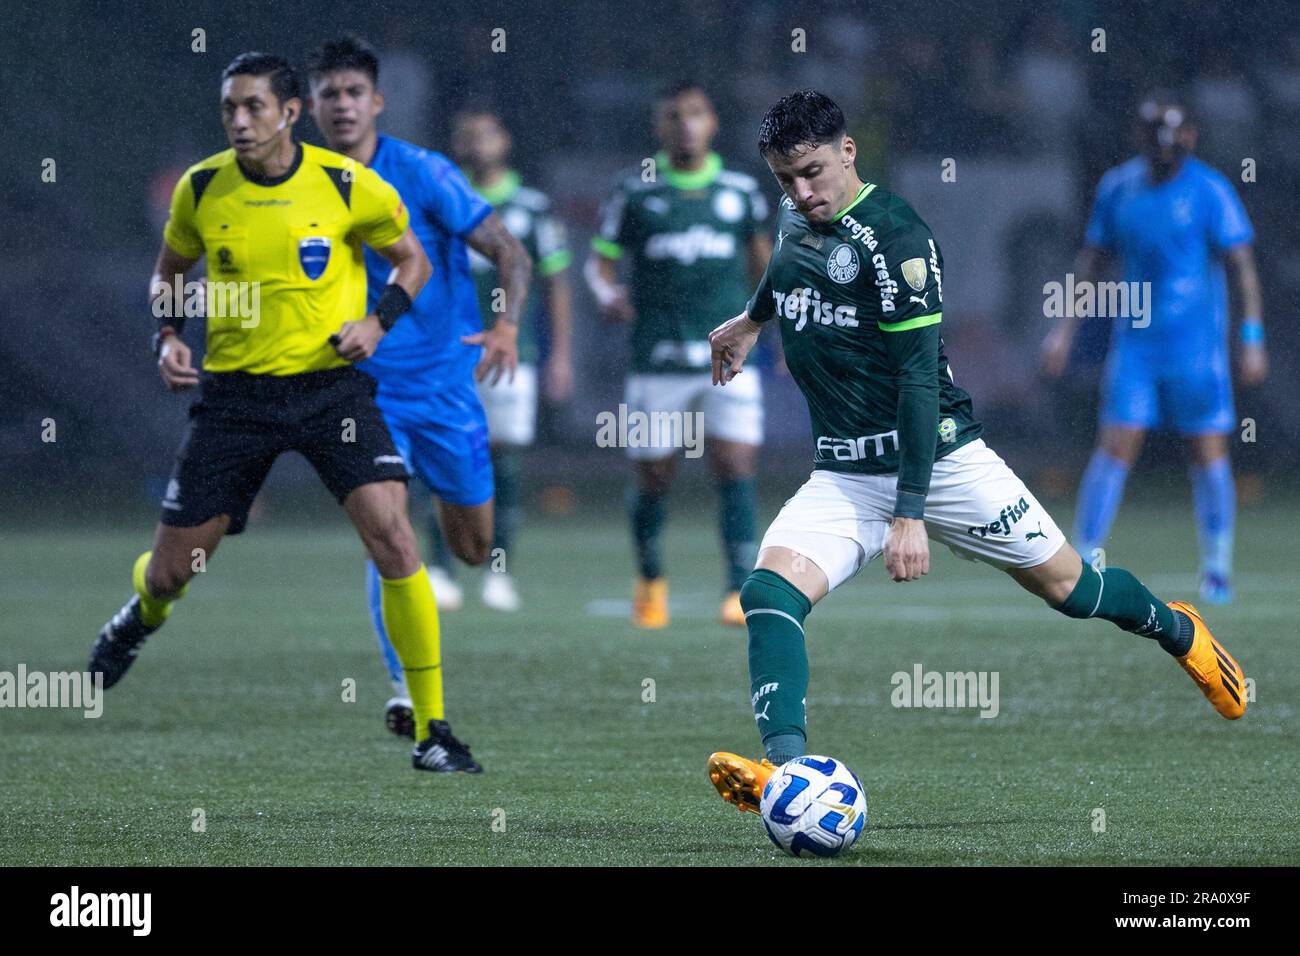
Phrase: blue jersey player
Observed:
(1173, 222)
(426, 368)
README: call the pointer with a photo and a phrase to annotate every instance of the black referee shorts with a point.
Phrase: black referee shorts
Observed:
(241, 423)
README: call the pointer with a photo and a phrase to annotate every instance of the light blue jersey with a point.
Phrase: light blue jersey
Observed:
(1172, 235)
(425, 373)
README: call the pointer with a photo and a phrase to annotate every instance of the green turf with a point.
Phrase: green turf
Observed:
(236, 708)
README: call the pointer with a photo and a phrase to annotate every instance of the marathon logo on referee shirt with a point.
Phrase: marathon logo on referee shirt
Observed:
(314, 255)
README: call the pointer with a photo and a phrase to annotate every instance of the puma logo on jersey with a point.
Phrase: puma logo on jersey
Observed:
(920, 299)
(803, 304)
(1036, 534)
(763, 714)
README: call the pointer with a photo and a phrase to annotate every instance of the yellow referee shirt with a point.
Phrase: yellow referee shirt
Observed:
(285, 262)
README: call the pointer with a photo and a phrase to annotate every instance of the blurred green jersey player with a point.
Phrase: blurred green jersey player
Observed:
(692, 238)
(482, 145)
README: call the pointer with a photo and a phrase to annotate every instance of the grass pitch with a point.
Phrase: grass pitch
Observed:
(237, 709)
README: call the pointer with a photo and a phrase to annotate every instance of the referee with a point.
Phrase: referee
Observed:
(282, 224)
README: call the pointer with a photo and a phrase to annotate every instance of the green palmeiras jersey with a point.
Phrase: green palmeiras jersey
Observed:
(860, 302)
(527, 214)
(687, 236)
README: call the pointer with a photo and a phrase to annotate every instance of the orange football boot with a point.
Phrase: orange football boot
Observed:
(1215, 671)
(731, 613)
(650, 603)
(740, 781)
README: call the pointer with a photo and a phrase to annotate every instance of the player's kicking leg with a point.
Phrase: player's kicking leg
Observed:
(160, 577)
(981, 510)
(409, 617)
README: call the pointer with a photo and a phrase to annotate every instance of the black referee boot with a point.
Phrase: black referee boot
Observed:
(118, 643)
(441, 752)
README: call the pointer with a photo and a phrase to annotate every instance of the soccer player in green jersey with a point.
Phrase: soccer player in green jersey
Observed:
(856, 285)
(693, 234)
(481, 145)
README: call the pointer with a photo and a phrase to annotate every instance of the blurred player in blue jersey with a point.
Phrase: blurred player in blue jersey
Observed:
(1173, 221)
(426, 368)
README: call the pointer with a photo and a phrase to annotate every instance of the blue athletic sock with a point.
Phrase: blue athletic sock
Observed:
(1216, 505)
(374, 591)
(1099, 497)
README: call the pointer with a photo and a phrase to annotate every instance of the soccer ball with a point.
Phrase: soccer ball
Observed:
(814, 805)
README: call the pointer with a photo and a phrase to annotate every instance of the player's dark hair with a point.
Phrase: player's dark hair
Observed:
(347, 52)
(284, 80)
(803, 119)
(671, 91)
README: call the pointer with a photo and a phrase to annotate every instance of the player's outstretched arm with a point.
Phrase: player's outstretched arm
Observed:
(411, 270)
(730, 343)
(1253, 359)
(514, 266)
(166, 287)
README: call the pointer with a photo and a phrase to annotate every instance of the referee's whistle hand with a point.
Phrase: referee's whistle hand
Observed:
(174, 365)
(358, 340)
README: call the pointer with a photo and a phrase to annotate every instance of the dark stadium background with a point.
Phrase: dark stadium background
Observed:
(114, 94)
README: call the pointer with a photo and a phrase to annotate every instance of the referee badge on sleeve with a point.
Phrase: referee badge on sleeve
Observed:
(314, 255)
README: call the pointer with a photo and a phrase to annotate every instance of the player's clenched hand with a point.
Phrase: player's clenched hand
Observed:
(500, 351)
(358, 340)
(731, 342)
(174, 365)
(907, 549)
(1253, 363)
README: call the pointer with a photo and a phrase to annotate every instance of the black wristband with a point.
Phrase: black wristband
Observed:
(392, 305)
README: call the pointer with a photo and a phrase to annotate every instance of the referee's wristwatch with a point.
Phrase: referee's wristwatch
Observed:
(158, 338)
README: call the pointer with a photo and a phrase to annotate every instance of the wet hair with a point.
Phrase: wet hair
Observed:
(802, 119)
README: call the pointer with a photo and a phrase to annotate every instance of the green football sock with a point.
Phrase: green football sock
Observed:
(1117, 596)
(505, 471)
(778, 661)
(646, 512)
(737, 519)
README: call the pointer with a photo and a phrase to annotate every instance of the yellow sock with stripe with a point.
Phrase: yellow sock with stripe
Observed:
(153, 611)
(411, 620)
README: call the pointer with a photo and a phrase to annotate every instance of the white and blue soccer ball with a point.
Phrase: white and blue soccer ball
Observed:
(814, 805)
